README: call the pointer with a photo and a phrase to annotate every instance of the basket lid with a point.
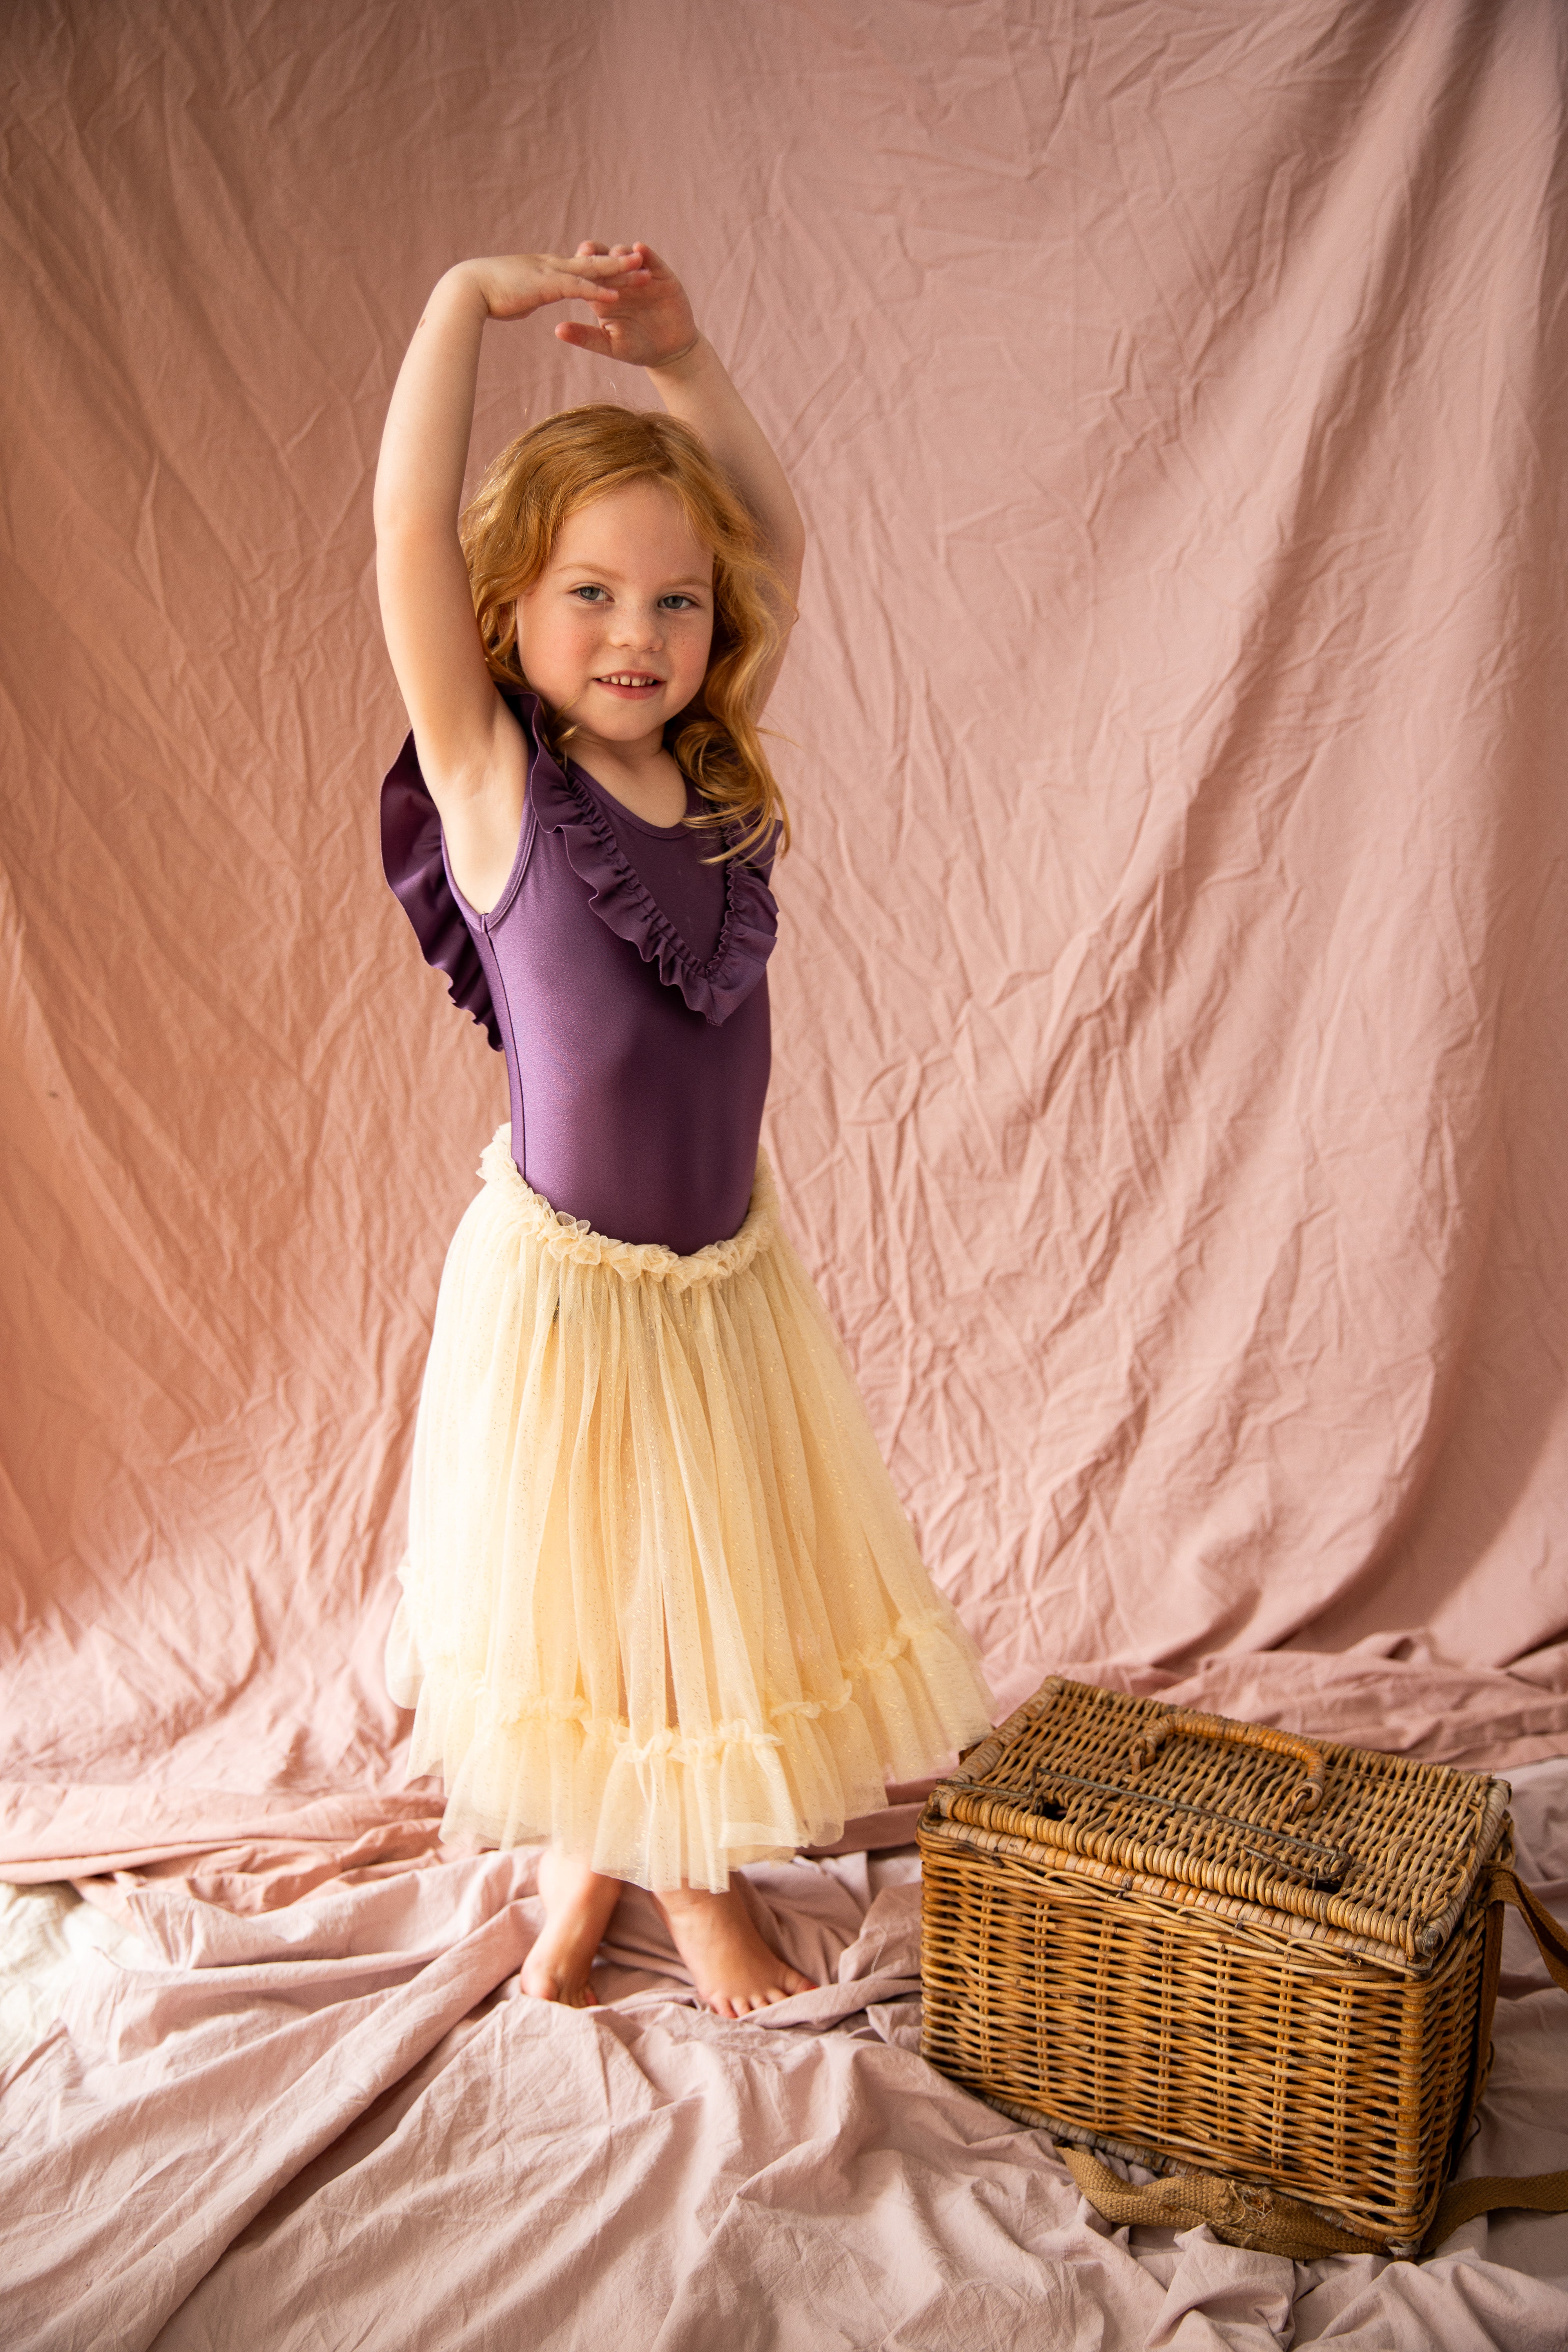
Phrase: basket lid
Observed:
(1384, 1848)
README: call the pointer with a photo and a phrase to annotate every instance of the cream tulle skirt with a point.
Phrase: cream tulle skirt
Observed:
(661, 1605)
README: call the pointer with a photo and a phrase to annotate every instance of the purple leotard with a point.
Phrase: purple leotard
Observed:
(626, 983)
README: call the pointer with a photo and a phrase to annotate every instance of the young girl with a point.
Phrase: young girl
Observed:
(661, 1608)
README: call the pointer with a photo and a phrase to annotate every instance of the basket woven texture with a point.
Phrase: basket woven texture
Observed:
(1211, 1946)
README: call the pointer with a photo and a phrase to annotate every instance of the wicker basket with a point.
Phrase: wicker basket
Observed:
(1261, 1964)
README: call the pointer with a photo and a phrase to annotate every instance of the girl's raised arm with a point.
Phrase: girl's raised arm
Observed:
(461, 727)
(650, 325)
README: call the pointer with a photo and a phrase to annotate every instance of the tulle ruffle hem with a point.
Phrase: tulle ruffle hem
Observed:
(661, 1606)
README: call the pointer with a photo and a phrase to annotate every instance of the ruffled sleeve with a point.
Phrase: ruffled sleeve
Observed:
(714, 988)
(412, 862)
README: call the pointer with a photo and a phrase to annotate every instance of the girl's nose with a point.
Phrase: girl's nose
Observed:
(638, 625)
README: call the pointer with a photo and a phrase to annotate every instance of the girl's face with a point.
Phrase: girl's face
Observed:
(614, 634)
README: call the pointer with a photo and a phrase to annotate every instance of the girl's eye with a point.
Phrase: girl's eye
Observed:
(589, 594)
(677, 602)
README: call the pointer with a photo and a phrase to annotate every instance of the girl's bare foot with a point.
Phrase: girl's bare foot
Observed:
(577, 1906)
(734, 1971)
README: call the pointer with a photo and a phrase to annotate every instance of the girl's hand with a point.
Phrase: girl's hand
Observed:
(650, 324)
(514, 284)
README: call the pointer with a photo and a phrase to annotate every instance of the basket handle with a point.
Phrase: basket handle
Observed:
(1180, 1723)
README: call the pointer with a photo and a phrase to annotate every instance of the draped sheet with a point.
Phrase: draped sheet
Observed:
(1172, 999)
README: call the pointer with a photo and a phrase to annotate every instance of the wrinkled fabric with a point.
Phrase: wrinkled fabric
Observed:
(338, 2121)
(1169, 1005)
(1169, 1091)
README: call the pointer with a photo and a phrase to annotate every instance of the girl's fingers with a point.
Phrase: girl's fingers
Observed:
(637, 256)
(596, 265)
(576, 288)
(585, 338)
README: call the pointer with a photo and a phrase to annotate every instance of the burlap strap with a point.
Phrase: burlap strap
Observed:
(1243, 2213)
(1537, 2192)
(1238, 2211)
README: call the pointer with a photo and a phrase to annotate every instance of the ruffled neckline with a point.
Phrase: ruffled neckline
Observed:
(566, 802)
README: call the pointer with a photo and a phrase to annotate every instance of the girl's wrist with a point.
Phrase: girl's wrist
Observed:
(687, 360)
(463, 285)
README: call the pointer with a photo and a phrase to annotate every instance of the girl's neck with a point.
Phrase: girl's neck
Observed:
(644, 777)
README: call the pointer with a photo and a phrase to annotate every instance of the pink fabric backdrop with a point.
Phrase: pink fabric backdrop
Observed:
(1171, 1089)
